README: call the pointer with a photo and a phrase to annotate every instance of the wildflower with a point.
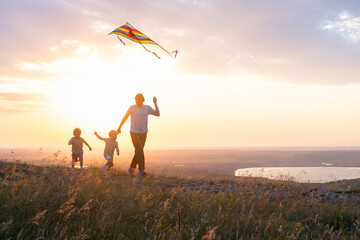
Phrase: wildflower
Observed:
(38, 217)
(210, 235)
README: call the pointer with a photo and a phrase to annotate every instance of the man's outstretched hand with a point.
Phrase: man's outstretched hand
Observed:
(154, 100)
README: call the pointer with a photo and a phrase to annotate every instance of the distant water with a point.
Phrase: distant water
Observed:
(302, 174)
(214, 162)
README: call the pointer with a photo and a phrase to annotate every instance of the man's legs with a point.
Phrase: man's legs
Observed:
(138, 140)
(141, 152)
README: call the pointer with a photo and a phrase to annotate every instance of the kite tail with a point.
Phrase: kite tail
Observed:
(150, 51)
(176, 52)
(121, 40)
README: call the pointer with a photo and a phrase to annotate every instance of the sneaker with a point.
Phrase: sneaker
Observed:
(131, 172)
(142, 173)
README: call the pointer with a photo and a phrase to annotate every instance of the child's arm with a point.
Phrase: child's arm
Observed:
(117, 149)
(87, 144)
(71, 141)
(98, 136)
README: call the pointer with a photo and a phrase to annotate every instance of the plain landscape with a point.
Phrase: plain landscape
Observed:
(197, 162)
(189, 194)
(245, 111)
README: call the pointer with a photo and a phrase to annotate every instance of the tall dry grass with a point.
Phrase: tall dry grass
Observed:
(56, 202)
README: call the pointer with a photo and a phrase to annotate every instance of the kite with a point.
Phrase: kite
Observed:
(129, 32)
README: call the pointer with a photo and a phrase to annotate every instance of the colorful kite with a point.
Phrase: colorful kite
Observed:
(135, 35)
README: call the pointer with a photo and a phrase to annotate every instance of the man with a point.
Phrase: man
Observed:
(138, 130)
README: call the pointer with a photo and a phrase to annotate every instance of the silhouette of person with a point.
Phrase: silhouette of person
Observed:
(138, 130)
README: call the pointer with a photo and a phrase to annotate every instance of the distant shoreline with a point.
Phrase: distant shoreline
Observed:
(281, 148)
(184, 162)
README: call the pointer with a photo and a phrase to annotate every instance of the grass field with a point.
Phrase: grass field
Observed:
(55, 202)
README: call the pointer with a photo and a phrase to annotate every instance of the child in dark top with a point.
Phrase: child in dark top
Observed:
(77, 148)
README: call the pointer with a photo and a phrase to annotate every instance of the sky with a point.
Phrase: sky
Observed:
(248, 73)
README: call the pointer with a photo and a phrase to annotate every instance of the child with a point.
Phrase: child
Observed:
(77, 147)
(110, 146)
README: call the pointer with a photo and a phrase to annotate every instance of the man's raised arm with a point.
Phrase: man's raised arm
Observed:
(157, 110)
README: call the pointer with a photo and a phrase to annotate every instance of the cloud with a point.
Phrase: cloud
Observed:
(274, 40)
(3, 82)
(176, 32)
(21, 97)
(278, 42)
(12, 102)
(21, 85)
(79, 55)
(347, 26)
(102, 27)
(19, 108)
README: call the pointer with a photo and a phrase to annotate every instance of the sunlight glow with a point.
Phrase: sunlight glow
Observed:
(97, 91)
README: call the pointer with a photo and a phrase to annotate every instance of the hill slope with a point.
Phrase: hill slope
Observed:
(55, 202)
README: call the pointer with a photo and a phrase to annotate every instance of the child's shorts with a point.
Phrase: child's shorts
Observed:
(109, 160)
(77, 157)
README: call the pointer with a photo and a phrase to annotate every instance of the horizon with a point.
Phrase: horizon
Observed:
(201, 148)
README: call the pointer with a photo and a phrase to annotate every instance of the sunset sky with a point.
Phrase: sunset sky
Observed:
(248, 73)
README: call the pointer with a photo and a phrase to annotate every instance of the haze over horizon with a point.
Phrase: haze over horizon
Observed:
(248, 73)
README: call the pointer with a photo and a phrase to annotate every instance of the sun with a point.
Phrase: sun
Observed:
(97, 90)
(92, 100)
